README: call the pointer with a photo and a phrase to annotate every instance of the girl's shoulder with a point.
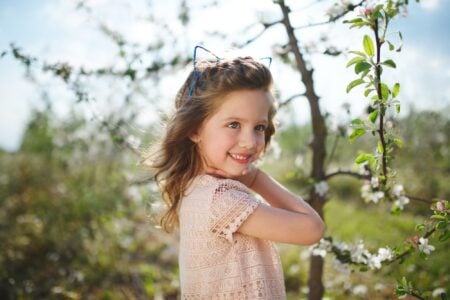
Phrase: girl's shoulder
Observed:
(211, 182)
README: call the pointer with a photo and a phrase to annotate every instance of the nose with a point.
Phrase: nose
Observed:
(248, 139)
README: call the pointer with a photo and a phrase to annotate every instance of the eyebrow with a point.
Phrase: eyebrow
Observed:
(265, 121)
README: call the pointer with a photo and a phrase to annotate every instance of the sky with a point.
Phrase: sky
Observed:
(56, 31)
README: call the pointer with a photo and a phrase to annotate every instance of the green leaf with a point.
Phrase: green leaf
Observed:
(373, 116)
(384, 91)
(358, 24)
(395, 90)
(367, 92)
(438, 217)
(397, 108)
(362, 66)
(353, 20)
(356, 133)
(401, 44)
(359, 53)
(391, 46)
(441, 225)
(354, 83)
(357, 122)
(420, 227)
(398, 142)
(368, 45)
(380, 147)
(363, 74)
(445, 236)
(355, 60)
(363, 158)
(389, 63)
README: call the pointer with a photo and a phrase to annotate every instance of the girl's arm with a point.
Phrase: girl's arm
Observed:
(289, 219)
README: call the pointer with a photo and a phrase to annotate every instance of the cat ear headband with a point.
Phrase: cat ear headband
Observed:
(197, 73)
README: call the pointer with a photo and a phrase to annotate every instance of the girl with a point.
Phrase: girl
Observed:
(223, 122)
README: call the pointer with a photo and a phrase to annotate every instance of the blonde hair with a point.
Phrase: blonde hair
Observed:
(177, 161)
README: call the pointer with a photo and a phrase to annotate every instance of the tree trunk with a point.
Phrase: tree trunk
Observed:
(316, 288)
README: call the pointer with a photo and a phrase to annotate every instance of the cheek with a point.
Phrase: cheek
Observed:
(261, 140)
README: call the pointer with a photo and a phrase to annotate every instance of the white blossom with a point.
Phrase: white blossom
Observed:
(134, 193)
(341, 246)
(360, 290)
(340, 267)
(397, 190)
(377, 196)
(321, 188)
(153, 187)
(359, 254)
(379, 287)
(298, 161)
(346, 2)
(374, 262)
(424, 247)
(401, 202)
(385, 254)
(365, 190)
(135, 142)
(375, 182)
(321, 248)
(363, 170)
(437, 292)
(294, 269)
(334, 10)
(274, 151)
(319, 252)
(369, 196)
(440, 206)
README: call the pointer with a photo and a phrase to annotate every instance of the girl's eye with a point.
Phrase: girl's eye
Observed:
(234, 125)
(260, 128)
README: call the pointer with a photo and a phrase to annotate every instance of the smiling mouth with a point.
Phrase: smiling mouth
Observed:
(241, 158)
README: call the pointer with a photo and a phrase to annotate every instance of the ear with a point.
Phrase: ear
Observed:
(195, 137)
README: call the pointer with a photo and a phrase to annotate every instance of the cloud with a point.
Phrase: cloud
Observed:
(430, 5)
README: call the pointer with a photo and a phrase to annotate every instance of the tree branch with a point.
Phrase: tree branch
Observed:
(420, 199)
(409, 251)
(332, 19)
(288, 100)
(266, 26)
(349, 173)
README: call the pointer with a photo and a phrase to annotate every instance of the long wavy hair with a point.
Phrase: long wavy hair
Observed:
(177, 161)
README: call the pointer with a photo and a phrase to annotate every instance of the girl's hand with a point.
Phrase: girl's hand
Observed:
(247, 177)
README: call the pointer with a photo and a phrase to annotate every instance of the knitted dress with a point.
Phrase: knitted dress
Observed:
(215, 261)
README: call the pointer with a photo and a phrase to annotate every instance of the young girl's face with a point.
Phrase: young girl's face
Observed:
(234, 136)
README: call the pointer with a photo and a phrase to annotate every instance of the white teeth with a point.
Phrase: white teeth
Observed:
(240, 157)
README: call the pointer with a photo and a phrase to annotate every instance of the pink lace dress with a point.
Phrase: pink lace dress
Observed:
(216, 262)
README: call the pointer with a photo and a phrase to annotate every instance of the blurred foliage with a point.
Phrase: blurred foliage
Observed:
(75, 223)
(71, 225)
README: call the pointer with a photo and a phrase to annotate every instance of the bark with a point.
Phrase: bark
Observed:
(316, 288)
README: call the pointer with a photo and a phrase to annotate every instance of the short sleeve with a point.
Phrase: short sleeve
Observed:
(230, 207)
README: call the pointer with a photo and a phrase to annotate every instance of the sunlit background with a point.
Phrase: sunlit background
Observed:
(57, 31)
(78, 213)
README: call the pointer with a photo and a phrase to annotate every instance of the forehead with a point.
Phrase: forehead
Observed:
(251, 105)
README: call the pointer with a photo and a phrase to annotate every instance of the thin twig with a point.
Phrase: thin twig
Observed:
(420, 199)
(349, 173)
(409, 251)
(286, 102)
(350, 8)
(266, 26)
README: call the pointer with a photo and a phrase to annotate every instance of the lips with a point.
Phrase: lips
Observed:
(241, 158)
